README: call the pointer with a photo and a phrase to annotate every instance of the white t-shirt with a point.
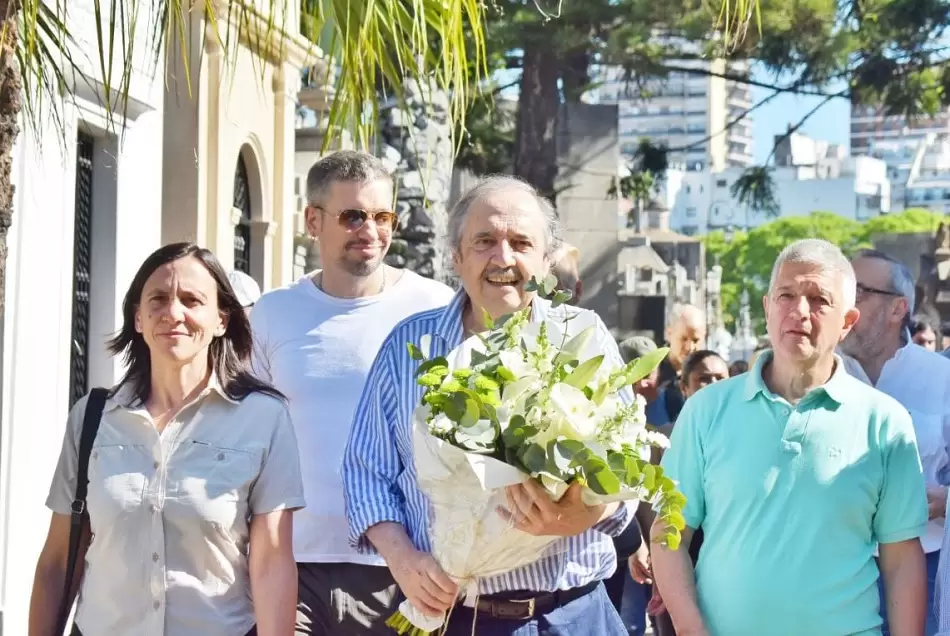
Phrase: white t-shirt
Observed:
(920, 381)
(317, 350)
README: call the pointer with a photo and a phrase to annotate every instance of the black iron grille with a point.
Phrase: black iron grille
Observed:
(82, 253)
(242, 231)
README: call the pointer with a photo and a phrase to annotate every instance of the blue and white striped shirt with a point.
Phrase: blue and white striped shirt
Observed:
(379, 475)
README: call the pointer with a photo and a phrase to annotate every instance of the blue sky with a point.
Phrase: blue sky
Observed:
(831, 122)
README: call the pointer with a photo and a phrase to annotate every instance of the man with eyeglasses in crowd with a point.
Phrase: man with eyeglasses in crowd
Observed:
(315, 340)
(880, 351)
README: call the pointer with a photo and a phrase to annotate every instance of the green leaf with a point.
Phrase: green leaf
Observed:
(584, 372)
(561, 297)
(560, 459)
(487, 320)
(414, 352)
(603, 482)
(573, 347)
(532, 285)
(675, 519)
(505, 374)
(644, 365)
(548, 285)
(432, 364)
(649, 477)
(534, 458)
(470, 416)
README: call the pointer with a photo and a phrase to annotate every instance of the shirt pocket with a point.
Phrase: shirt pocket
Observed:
(213, 480)
(118, 475)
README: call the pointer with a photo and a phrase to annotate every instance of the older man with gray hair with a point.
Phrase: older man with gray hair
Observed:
(796, 471)
(879, 351)
(502, 234)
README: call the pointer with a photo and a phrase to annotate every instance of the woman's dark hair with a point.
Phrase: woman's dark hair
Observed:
(738, 368)
(921, 323)
(690, 364)
(229, 355)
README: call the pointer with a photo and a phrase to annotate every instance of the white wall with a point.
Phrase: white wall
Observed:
(126, 227)
(703, 201)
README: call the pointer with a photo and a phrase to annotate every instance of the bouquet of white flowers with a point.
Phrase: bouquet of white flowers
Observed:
(526, 399)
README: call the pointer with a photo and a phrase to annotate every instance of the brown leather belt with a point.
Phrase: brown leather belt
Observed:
(534, 604)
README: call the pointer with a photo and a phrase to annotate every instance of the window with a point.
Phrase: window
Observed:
(721, 183)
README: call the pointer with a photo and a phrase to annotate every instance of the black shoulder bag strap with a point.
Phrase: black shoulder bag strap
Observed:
(90, 426)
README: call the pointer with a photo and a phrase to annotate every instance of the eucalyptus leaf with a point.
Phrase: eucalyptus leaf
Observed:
(531, 285)
(549, 284)
(603, 482)
(561, 297)
(533, 457)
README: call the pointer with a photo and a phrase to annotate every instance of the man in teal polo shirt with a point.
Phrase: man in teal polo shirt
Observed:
(796, 471)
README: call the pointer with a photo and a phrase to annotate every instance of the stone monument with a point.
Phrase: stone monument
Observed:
(415, 142)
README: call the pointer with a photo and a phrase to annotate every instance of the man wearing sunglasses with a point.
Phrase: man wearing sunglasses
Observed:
(880, 352)
(315, 340)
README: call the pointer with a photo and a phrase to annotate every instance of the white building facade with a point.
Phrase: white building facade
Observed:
(809, 176)
(688, 111)
(919, 170)
(215, 166)
(869, 125)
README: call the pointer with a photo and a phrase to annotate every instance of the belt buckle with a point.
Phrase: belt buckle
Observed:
(530, 603)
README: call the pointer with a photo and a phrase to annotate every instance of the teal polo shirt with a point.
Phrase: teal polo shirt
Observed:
(792, 501)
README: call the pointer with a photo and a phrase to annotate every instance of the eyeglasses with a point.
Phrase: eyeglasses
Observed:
(353, 219)
(864, 290)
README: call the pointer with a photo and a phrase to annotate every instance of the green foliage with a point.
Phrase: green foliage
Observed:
(748, 257)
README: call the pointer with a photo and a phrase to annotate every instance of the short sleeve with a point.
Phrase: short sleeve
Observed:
(902, 507)
(260, 360)
(684, 461)
(279, 485)
(62, 490)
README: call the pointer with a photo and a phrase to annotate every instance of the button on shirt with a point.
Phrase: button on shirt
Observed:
(920, 381)
(793, 500)
(378, 470)
(170, 511)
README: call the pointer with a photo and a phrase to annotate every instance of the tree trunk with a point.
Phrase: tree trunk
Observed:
(536, 142)
(575, 76)
(10, 86)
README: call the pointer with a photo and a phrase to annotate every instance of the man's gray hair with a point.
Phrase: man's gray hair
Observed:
(493, 185)
(824, 255)
(902, 281)
(681, 310)
(343, 165)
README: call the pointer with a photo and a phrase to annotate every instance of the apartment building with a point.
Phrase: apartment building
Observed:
(696, 112)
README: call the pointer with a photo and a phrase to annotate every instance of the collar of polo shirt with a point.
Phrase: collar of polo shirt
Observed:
(835, 387)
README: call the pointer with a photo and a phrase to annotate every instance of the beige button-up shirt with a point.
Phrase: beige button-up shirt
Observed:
(170, 512)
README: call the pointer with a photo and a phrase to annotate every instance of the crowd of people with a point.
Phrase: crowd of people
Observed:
(252, 472)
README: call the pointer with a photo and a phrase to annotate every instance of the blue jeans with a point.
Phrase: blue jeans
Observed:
(589, 615)
(634, 608)
(933, 559)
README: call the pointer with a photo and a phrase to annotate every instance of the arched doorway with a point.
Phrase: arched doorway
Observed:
(242, 231)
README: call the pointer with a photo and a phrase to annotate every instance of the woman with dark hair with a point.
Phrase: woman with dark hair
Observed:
(193, 476)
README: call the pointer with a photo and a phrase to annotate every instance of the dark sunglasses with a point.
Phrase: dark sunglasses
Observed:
(354, 219)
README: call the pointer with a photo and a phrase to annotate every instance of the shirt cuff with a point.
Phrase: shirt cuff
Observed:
(364, 518)
(615, 523)
(905, 534)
